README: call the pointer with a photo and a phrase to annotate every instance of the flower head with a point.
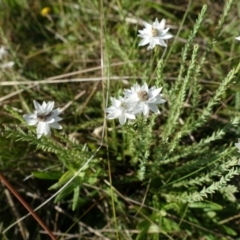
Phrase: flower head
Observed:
(45, 117)
(145, 98)
(154, 34)
(238, 38)
(120, 109)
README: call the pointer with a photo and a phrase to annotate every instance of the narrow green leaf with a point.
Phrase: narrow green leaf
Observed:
(65, 192)
(75, 197)
(47, 175)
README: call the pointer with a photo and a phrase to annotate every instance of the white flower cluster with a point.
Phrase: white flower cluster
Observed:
(137, 100)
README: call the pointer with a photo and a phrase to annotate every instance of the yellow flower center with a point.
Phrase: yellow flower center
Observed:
(155, 32)
(143, 95)
(123, 105)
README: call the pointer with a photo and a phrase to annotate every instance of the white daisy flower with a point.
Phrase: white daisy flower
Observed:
(238, 38)
(45, 117)
(145, 98)
(121, 109)
(154, 34)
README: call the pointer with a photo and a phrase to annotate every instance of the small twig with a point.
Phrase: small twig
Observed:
(144, 198)
(20, 199)
(229, 219)
(21, 226)
(92, 230)
(68, 80)
(71, 102)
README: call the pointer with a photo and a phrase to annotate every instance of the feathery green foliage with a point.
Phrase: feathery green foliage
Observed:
(167, 176)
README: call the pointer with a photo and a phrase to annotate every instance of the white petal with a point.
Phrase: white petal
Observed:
(151, 100)
(43, 129)
(155, 92)
(55, 125)
(153, 108)
(144, 87)
(143, 42)
(238, 38)
(147, 25)
(130, 116)
(37, 105)
(161, 25)
(162, 43)
(57, 119)
(146, 32)
(122, 119)
(50, 106)
(50, 120)
(55, 114)
(163, 32)
(145, 109)
(167, 36)
(44, 106)
(57, 111)
(137, 109)
(114, 114)
(136, 87)
(31, 119)
(159, 100)
(115, 102)
(152, 43)
(110, 109)
(40, 129)
(156, 23)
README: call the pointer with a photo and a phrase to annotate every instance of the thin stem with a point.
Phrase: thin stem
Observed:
(20, 199)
